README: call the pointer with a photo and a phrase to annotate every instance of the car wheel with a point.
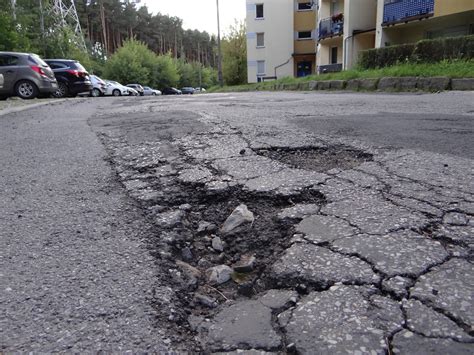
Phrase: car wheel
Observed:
(62, 91)
(116, 92)
(26, 90)
(95, 92)
(154, 94)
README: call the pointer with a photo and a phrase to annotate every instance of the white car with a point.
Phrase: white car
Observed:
(116, 89)
(99, 87)
(147, 91)
(132, 91)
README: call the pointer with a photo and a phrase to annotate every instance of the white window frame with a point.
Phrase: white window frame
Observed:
(303, 10)
(262, 34)
(304, 38)
(259, 62)
(263, 10)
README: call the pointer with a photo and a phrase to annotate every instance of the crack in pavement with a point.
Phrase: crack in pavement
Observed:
(339, 232)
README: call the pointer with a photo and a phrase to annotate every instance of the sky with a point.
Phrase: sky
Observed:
(200, 14)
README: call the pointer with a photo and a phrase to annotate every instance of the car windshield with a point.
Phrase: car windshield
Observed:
(146, 88)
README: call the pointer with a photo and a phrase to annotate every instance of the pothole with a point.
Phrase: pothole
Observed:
(317, 159)
(192, 240)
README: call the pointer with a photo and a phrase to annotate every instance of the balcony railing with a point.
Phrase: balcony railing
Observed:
(330, 68)
(331, 26)
(396, 11)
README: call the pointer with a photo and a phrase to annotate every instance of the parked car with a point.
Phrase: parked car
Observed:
(25, 75)
(116, 89)
(171, 91)
(147, 91)
(72, 78)
(187, 90)
(136, 87)
(200, 89)
(1, 81)
(99, 87)
(132, 91)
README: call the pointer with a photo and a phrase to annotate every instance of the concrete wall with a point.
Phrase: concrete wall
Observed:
(304, 46)
(325, 8)
(448, 7)
(305, 20)
(360, 15)
(278, 28)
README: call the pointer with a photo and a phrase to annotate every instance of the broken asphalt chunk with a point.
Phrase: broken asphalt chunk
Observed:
(240, 218)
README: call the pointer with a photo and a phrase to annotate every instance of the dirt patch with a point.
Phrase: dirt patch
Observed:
(317, 159)
(266, 239)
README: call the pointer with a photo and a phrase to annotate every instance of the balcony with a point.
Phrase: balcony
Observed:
(397, 11)
(331, 27)
(330, 68)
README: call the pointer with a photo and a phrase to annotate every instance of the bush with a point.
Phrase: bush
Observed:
(426, 51)
(387, 56)
(136, 63)
(433, 51)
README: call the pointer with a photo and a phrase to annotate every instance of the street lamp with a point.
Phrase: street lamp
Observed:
(219, 49)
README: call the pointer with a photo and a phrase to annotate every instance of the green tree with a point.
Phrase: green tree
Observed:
(9, 37)
(165, 73)
(132, 63)
(234, 55)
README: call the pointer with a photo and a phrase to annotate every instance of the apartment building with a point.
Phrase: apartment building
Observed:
(345, 28)
(409, 21)
(281, 39)
(301, 37)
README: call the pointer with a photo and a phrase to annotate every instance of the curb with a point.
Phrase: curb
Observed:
(386, 84)
(10, 110)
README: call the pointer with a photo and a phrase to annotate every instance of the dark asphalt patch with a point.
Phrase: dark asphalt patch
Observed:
(317, 159)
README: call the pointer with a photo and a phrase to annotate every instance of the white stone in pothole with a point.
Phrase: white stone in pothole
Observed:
(239, 218)
(218, 275)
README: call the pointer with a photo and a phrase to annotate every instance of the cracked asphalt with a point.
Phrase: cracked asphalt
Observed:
(361, 234)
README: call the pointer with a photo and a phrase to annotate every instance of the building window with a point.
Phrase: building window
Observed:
(305, 35)
(334, 55)
(304, 6)
(260, 40)
(260, 67)
(259, 8)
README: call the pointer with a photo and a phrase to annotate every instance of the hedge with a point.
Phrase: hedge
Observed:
(426, 51)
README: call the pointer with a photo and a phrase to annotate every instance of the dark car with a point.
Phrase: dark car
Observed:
(72, 78)
(171, 91)
(25, 75)
(138, 88)
(187, 91)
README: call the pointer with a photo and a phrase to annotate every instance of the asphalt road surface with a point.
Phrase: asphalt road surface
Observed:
(358, 236)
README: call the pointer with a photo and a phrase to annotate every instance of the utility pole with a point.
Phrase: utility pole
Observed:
(219, 49)
(41, 17)
(42, 25)
(13, 2)
(200, 67)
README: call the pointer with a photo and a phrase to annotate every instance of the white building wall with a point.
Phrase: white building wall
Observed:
(278, 28)
(359, 15)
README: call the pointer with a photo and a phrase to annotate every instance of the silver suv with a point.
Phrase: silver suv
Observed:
(25, 75)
